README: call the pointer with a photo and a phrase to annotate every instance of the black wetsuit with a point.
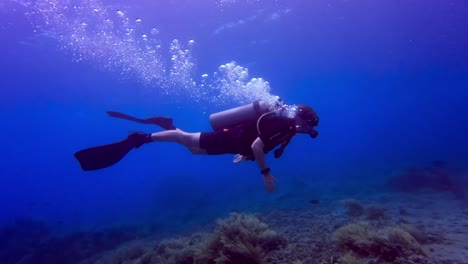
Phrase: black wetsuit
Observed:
(274, 130)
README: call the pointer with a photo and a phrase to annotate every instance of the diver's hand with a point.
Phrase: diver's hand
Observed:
(269, 182)
(239, 158)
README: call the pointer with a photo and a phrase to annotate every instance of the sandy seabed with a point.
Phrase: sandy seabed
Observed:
(368, 228)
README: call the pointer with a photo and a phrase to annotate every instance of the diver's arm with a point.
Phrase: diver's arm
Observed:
(257, 149)
(268, 179)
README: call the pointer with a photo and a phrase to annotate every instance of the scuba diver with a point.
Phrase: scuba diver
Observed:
(249, 131)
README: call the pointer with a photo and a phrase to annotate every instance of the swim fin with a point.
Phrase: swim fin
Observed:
(103, 156)
(163, 122)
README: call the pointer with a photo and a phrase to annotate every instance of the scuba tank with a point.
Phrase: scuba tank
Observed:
(239, 115)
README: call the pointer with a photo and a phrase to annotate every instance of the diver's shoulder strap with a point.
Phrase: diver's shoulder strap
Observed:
(279, 151)
(260, 118)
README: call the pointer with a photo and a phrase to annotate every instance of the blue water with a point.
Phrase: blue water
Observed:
(389, 81)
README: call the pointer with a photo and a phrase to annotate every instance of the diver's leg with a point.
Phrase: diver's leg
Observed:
(189, 140)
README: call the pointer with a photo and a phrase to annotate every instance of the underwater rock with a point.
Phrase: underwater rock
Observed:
(241, 238)
(375, 213)
(20, 238)
(353, 207)
(437, 176)
(361, 240)
(79, 246)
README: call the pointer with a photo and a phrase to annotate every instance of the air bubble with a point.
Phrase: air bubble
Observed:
(114, 43)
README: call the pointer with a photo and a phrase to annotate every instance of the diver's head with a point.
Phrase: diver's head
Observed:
(306, 119)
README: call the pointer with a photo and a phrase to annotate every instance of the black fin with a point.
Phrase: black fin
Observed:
(100, 157)
(103, 156)
(163, 122)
